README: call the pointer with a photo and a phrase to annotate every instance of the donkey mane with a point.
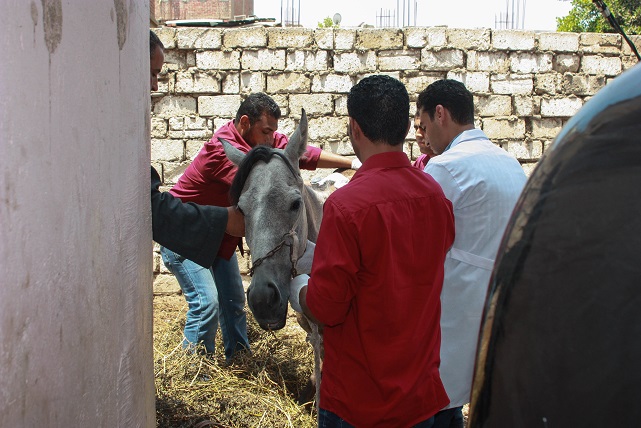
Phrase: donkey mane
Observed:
(257, 154)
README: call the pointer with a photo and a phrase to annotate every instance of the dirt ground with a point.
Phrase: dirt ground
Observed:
(258, 390)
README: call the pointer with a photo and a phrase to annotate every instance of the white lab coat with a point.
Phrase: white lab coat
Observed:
(483, 182)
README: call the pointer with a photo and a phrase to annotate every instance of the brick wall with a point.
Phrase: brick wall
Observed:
(526, 85)
(166, 10)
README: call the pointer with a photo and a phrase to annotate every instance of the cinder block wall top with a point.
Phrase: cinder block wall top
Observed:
(526, 84)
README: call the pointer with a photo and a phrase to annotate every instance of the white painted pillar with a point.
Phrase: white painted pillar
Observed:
(75, 226)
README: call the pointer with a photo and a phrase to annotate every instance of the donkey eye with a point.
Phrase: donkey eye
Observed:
(295, 205)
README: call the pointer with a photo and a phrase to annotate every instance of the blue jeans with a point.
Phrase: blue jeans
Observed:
(327, 419)
(450, 418)
(214, 295)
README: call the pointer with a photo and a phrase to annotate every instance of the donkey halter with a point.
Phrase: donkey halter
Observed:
(294, 255)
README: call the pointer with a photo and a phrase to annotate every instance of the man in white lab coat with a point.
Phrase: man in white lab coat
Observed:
(483, 182)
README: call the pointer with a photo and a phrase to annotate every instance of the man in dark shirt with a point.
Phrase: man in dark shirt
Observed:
(191, 230)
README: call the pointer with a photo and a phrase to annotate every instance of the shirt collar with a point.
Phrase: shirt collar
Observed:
(470, 134)
(385, 160)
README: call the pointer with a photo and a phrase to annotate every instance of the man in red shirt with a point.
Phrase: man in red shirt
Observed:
(377, 275)
(206, 182)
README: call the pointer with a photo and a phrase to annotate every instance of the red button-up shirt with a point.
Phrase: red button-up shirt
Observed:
(208, 178)
(376, 282)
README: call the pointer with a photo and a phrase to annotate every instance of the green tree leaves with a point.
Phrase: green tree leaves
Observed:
(585, 17)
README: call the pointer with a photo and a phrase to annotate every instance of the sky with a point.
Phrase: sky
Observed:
(538, 15)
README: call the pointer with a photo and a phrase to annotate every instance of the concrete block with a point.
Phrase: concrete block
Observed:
(326, 127)
(218, 60)
(170, 106)
(230, 83)
(493, 105)
(497, 62)
(344, 39)
(314, 104)
(560, 107)
(531, 62)
(158, 127)
(175, 60)
(442, 60)
(354, 62)
(504, 128)
(474, 81)
(580, 84)
(559, 42)
(332, 83)
(288, 82)
(264, 59)
(340, 105)
(290, 37)
(198, 82)
(324, 38)
(420, 37)
(176, 123)
(599, 43)
(167, 36)
(300, 60)
(379, 38)
(524, 150)
(546, 127)
(218, 105)
(511, 84)
(548, 83)
(255, 37)
(526, 105)
(513, 40)
(596, 64)
(198, 38)
(564, 63)
(389, 60)
(251, 81)
(167, 150)
(468, 39)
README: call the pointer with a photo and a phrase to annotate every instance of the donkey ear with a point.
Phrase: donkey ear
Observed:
(298, 141)
(233, 154)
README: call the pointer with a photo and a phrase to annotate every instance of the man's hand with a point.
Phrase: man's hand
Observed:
(295, 286)
(235, 222)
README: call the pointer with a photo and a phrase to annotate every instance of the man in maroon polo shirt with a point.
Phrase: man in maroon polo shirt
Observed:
(377, 275)
(207, 181)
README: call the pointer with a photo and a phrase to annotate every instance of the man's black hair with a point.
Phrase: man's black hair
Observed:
(255, 105)
(451, 94)
(153, 42)
(381, 107)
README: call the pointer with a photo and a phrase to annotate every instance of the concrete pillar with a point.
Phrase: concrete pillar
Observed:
(75, 226)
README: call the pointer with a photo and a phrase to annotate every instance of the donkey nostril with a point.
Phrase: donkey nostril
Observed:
(266, 295)
(273, 293)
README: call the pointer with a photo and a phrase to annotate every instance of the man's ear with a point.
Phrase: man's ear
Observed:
(354, 128)
(441, 114)
(244, 123)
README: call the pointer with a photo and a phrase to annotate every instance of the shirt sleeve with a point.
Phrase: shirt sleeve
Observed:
(442, 175)
(333, 280)
(193, 231)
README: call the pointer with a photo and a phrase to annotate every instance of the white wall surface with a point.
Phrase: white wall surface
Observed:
(75, 225)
